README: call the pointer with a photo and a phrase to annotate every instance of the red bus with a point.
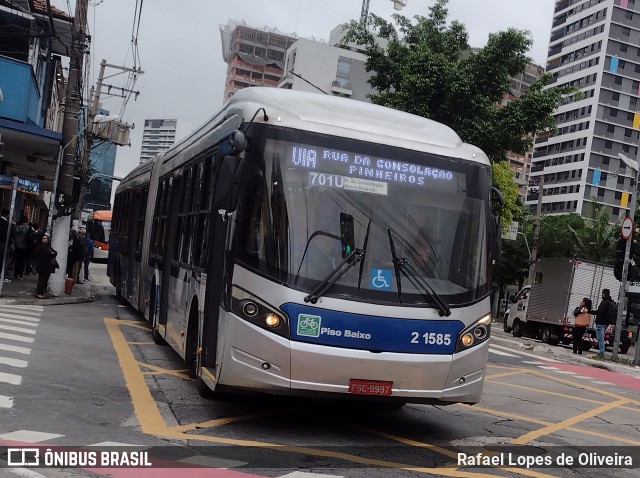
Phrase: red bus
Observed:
(98, 229)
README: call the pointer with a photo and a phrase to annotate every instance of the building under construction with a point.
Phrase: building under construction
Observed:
(255, 56)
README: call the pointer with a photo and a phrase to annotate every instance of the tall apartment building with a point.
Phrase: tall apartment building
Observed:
(520, 164)
(255, 56)
(158, 135)
(593, 46)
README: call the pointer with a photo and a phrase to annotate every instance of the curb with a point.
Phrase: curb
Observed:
(610, 366)
(86, 296)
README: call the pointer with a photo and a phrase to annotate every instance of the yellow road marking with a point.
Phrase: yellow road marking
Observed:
(505, 374)
(500, 413)
(134, 324)
(584, 386)
(438, 449)
(183, 373)
(151, 421)
(144, 405)
(527, 437)
(219, 422)
(558, 394)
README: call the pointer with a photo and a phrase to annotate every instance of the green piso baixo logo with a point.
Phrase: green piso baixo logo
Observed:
(309, 325)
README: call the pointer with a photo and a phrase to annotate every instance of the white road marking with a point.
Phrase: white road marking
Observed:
(11, 378)
(29, 322)
(599, 382)
(22, 314)
(17, 329)
(19, 338)
(29, 436)
(548, 368)
(566, 372)
(526, 354)
(13, 362)
(533, 363)
(15, 348)
(6, 402)
(506, 354)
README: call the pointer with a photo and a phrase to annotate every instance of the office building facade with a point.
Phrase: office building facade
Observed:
(255, 56)
(595, 47)
(158, 135)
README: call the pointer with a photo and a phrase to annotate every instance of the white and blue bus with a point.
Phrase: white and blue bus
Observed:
(314, 245)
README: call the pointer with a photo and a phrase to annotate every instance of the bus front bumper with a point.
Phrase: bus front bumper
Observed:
(255, 359)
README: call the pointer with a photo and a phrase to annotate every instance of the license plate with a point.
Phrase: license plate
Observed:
(369, 387)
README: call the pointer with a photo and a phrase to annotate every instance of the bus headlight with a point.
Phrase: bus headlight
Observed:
(250, 308)
(475, 334)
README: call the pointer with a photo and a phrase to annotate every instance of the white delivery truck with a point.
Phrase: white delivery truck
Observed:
(544, 310)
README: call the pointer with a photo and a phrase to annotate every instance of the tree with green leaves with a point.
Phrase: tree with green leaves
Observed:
(427, 68)
(597, 241)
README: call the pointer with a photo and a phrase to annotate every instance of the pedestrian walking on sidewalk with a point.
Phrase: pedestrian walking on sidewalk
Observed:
(46, 264)
(582, 319)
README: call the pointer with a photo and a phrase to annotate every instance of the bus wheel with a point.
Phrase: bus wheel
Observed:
(153, 312)
(517, 328)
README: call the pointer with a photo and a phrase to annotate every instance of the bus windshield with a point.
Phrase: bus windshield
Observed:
(420, 219)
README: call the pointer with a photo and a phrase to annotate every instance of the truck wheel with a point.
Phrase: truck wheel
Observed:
(505, 327)
(586, 346)
(546, 335)
(566, 341)
(517, 328)
(624, 349)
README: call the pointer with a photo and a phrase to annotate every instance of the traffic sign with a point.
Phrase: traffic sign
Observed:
(627, 227)
(512, 231)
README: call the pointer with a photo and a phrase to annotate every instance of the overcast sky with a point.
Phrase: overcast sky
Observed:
(180, 53)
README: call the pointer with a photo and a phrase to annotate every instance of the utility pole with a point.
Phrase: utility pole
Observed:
(73, 103)
(536, 233)
(635, 167)
(93, 111)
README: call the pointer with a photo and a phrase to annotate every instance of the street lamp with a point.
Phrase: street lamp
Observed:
(635, 167)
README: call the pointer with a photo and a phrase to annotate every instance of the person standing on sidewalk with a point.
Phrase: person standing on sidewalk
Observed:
(583, 317)
(88, 247)
(602, 319)
(5, 230)
(23, 236)
(46, 264)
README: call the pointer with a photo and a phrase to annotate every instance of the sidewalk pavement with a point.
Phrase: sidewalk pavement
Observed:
(23, 292)
(562, 354)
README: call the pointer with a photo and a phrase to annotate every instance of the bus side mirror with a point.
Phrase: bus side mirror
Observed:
(227, 191)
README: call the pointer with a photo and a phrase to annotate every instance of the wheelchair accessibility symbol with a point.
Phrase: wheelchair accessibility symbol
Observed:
(380, 278)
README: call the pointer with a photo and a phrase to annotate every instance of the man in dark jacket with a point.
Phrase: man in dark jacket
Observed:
(5, 229)
(602, 319)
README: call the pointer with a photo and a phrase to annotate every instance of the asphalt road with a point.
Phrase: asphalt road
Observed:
(93, 376)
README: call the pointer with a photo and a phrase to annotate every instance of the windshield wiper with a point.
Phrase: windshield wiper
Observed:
(364, 250)
(402, 265)
(347, 263)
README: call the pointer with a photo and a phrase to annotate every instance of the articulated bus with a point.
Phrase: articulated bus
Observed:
(313, 245)
(99, 229)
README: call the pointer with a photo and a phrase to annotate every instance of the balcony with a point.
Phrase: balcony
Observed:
(20, 91)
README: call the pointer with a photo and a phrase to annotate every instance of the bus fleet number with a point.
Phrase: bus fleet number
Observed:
(431, 338)
(327, 180)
